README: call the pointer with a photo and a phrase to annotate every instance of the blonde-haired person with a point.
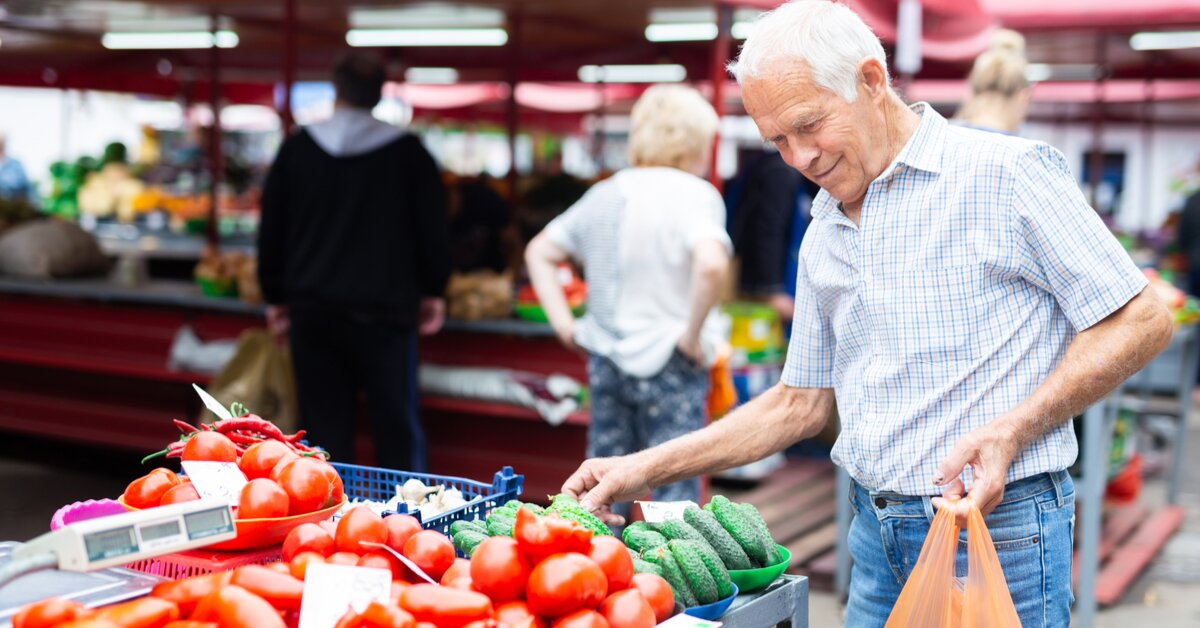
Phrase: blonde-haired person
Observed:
(652, 243)
(999, 97)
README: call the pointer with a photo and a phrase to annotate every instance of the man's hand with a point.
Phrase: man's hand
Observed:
(278, 321)
(432, 315)
(691, 349)
(989, 451)
(599, 482)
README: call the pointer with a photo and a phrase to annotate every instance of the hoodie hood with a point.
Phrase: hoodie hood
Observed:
(352, 132)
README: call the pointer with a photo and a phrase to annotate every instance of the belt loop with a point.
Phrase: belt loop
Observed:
(1058, 489)
(927, 502)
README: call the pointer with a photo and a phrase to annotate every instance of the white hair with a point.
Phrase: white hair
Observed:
(830, 38)
(672, 126)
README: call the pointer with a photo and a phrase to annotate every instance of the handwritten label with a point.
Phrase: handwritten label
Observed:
(331, 590)
(216, 480)
(687, 621)
(658, 512)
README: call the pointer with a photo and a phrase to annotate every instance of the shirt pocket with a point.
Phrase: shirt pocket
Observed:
(930, 315)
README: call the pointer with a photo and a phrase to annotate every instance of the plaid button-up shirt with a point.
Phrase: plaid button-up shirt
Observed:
(975, 263)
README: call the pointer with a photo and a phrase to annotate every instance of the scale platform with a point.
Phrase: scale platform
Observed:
(97, 588)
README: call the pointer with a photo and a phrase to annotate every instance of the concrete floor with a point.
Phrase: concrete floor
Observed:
(38, 477)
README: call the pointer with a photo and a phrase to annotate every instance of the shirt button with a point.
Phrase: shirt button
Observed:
(880, 503)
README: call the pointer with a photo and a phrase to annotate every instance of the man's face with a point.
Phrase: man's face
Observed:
(840, 146)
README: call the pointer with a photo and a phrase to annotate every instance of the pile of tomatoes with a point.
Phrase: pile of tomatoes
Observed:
(282, 482)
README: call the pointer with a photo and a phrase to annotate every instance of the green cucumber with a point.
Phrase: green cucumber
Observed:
(688, 556)
(732, 555)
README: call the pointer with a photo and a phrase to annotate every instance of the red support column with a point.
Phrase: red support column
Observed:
(720, 55)
(216, 166)
(289, 64)
(513, 113)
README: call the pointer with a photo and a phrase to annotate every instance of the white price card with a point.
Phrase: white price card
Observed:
(216, 480)
(658, 512)
(687, 621)
(331, 590)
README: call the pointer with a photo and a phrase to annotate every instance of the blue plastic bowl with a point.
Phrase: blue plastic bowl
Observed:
(713, 611)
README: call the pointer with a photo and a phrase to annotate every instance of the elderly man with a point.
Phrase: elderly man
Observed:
(956, 295)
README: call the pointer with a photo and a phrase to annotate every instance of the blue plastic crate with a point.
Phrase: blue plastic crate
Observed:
(379, 485)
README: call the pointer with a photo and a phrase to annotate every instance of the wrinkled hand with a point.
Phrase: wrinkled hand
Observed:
(278, 321)
(432, 315)
(691, 349)
(599, 482)
(989, 451)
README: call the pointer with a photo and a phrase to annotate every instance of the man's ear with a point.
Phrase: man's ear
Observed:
(874, 77)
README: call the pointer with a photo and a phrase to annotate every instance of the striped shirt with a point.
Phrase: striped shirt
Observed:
(975, 263)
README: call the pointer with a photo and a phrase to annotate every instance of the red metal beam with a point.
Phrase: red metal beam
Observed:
(289, 64)
(720, 54)
(216, 164)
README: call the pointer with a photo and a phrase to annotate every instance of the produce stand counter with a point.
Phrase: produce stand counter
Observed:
(88, 360)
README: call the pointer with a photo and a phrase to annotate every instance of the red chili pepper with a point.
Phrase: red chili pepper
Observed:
(254, 424)
(240, 438)
(185, 427)
(297, 437)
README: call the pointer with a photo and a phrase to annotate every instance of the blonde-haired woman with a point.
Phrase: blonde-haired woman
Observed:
(652, 243)
(999, 97)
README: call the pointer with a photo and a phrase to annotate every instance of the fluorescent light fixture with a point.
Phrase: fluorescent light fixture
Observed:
(741, 30)
(1172, 40)
(427, 16)
(179, 40)
(1037, 72)
(664, 73)
(431, 76)
(688, 31)
(373, 37)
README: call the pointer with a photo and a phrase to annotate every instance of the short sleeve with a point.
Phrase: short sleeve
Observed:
(1063, 247)
(711, 226)
(810, 352)
(568, 229)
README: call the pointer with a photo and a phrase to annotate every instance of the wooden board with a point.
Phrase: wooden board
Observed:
(1128, 561)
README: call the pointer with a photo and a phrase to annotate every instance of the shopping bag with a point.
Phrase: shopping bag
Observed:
(722, 396)
(260, 377)
(934, 598)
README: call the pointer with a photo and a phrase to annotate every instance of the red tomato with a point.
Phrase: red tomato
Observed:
(182, 492)
(514, 612)
(380, 559)
(47, 613)
(565, 582)
(657, 593)
(398, 587)
(431, 551)
(342, 558)
(462, 582)
(539, 537)
(357, 526)
(238, 608)
(282, 568)
(328, 526)
(400, 528)
(148, 490)
(146, 612)
(262, 499)
(260, 458)
(277, 470)
(460, 569)
(308, 484)
(499, 571)
(308, 537)
(582, 618)
(192, 624)
(613, 557)
(281, 591)
(387, 616)
(301, 561)
(628, 609)
(445, 606)
(188, 592)
(210, 446)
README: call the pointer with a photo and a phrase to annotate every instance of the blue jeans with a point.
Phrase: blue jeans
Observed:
(1032, 528)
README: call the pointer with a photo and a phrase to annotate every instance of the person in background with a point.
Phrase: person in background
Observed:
(354, 256)
(652, 243)
(999, 97)
(1189, 242)
(14, 183)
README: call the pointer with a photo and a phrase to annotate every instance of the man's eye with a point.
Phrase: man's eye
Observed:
(810, 127)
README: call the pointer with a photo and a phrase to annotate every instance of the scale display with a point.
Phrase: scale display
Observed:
(110, 544)
(208, 523)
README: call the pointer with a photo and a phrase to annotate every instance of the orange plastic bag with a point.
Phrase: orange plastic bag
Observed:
(934, 598)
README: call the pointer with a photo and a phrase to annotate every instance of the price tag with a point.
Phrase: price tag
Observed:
(658, 512)
(687, 621)
(216, 480)
(331, 590)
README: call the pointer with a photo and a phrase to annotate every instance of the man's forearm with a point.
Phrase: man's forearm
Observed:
(1097, 361)
(767, 424)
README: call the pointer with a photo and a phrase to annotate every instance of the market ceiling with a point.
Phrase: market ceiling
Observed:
(58, 42)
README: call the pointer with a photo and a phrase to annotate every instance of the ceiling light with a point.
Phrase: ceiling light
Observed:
(179, 40)
(427, 16)
(1037, 72)
(431, 76)
(1165, 41)
(688, 31)
(664, 73)
(364, 37)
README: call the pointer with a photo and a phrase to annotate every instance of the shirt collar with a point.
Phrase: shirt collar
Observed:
(922, 151)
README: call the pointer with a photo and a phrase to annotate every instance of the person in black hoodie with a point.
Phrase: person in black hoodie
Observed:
(354, 256)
